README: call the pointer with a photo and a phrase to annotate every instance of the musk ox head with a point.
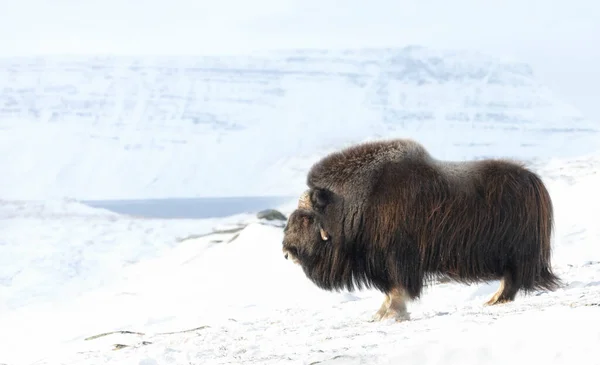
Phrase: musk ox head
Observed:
(305, 203)
(324, 258)
(303, 234)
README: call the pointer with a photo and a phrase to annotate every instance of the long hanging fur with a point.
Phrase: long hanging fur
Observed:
(395, 216)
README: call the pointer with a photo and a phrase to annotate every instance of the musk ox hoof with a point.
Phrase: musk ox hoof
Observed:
(390, 314)
(393, 307)
(496, 301)
(506, 292)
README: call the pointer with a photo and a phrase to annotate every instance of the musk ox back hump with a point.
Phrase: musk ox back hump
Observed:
(353, 170)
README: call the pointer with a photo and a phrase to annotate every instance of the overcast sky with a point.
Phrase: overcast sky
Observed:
(561, 39)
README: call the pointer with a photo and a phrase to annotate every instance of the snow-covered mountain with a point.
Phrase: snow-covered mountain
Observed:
(149, 127)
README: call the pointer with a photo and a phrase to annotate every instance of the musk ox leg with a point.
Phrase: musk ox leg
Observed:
(383, 309)
(394, 306)
(505, 293)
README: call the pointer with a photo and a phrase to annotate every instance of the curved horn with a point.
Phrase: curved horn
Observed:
(304, 201)
(324, 234)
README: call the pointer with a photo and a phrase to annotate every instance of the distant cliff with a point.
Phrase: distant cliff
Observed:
(116, 127)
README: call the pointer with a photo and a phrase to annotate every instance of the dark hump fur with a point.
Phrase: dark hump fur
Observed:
(397, 216)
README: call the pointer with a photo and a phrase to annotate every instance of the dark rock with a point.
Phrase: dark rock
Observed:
(271, 214)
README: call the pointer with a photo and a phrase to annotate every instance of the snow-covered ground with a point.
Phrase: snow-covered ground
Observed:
(118, 127)
(68, 273)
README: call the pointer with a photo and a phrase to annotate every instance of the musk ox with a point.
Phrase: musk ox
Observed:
(387, 215)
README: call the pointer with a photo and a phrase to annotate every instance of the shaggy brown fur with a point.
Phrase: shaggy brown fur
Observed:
(394, 216)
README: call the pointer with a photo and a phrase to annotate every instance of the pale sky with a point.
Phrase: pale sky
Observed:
(561, 39)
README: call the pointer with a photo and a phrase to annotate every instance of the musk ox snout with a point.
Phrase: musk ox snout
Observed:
(288, 254)
(302, 235)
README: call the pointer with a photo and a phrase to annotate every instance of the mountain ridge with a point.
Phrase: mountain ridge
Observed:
(111, 127)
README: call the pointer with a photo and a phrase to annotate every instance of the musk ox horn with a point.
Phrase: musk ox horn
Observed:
(304, 201)
(324, 235)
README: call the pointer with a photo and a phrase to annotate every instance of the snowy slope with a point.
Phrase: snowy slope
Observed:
(55, 250)
(239, 302)
(150, 127)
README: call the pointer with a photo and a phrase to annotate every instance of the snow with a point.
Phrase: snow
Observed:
(83, 285)
(70, 272)
(259, 113)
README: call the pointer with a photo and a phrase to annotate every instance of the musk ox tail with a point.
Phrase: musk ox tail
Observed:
(540, 275)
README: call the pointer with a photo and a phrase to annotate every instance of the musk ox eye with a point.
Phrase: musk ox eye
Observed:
(319, 199)
(306, 221)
